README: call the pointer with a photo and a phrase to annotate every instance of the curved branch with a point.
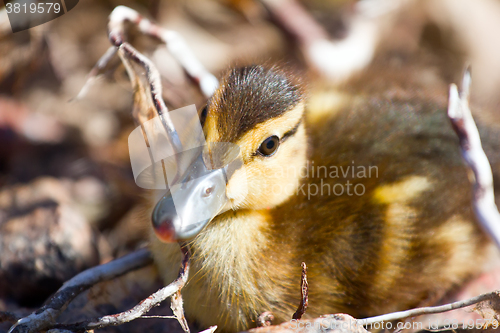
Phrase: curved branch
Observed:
(472, 151)
(137, 311)
(174, 42)
(430, 309)
(155, 87)
(45, 317)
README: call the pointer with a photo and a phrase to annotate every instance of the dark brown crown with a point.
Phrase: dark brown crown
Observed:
(251, 95)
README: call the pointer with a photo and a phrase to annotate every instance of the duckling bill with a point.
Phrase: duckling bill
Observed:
(405, 241)
(186, 209)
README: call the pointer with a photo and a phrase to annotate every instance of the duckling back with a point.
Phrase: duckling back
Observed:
(383, 217)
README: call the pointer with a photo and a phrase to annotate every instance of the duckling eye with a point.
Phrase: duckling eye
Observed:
(269, 146)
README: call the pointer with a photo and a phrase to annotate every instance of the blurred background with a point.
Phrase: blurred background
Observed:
(68, 200)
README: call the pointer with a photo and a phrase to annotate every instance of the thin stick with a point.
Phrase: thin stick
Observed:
(153, 78)
(336, 323)
(177, 47)
(177, 306)
(174, 42)
(94, 72)
(211, 329)
(45, 317)
(430, 310)
(470, 143)
(304, 294)
(143, 307)
(158, 317)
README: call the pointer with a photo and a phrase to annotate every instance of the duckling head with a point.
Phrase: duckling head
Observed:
(257, 114)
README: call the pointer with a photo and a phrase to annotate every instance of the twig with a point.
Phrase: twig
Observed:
(431, 309)
(173, 41)
(310, 326)
(177, 306)
(177, 47)
(128, 53)
(158, 317)
(154, 81)
(136, 312)
(45, 317)
(304, 294)
(470, 143)
(336, 323)
(211, 329)
(98, 67)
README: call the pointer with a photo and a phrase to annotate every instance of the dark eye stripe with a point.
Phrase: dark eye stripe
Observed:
(291, 132)
(285, 136)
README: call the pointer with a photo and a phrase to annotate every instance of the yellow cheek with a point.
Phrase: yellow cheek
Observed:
(267, 182)
(248, 187)
(237, 187)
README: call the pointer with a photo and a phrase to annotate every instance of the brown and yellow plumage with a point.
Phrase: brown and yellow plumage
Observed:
(408, 238)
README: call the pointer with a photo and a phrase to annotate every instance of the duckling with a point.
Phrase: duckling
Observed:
(373, 197)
